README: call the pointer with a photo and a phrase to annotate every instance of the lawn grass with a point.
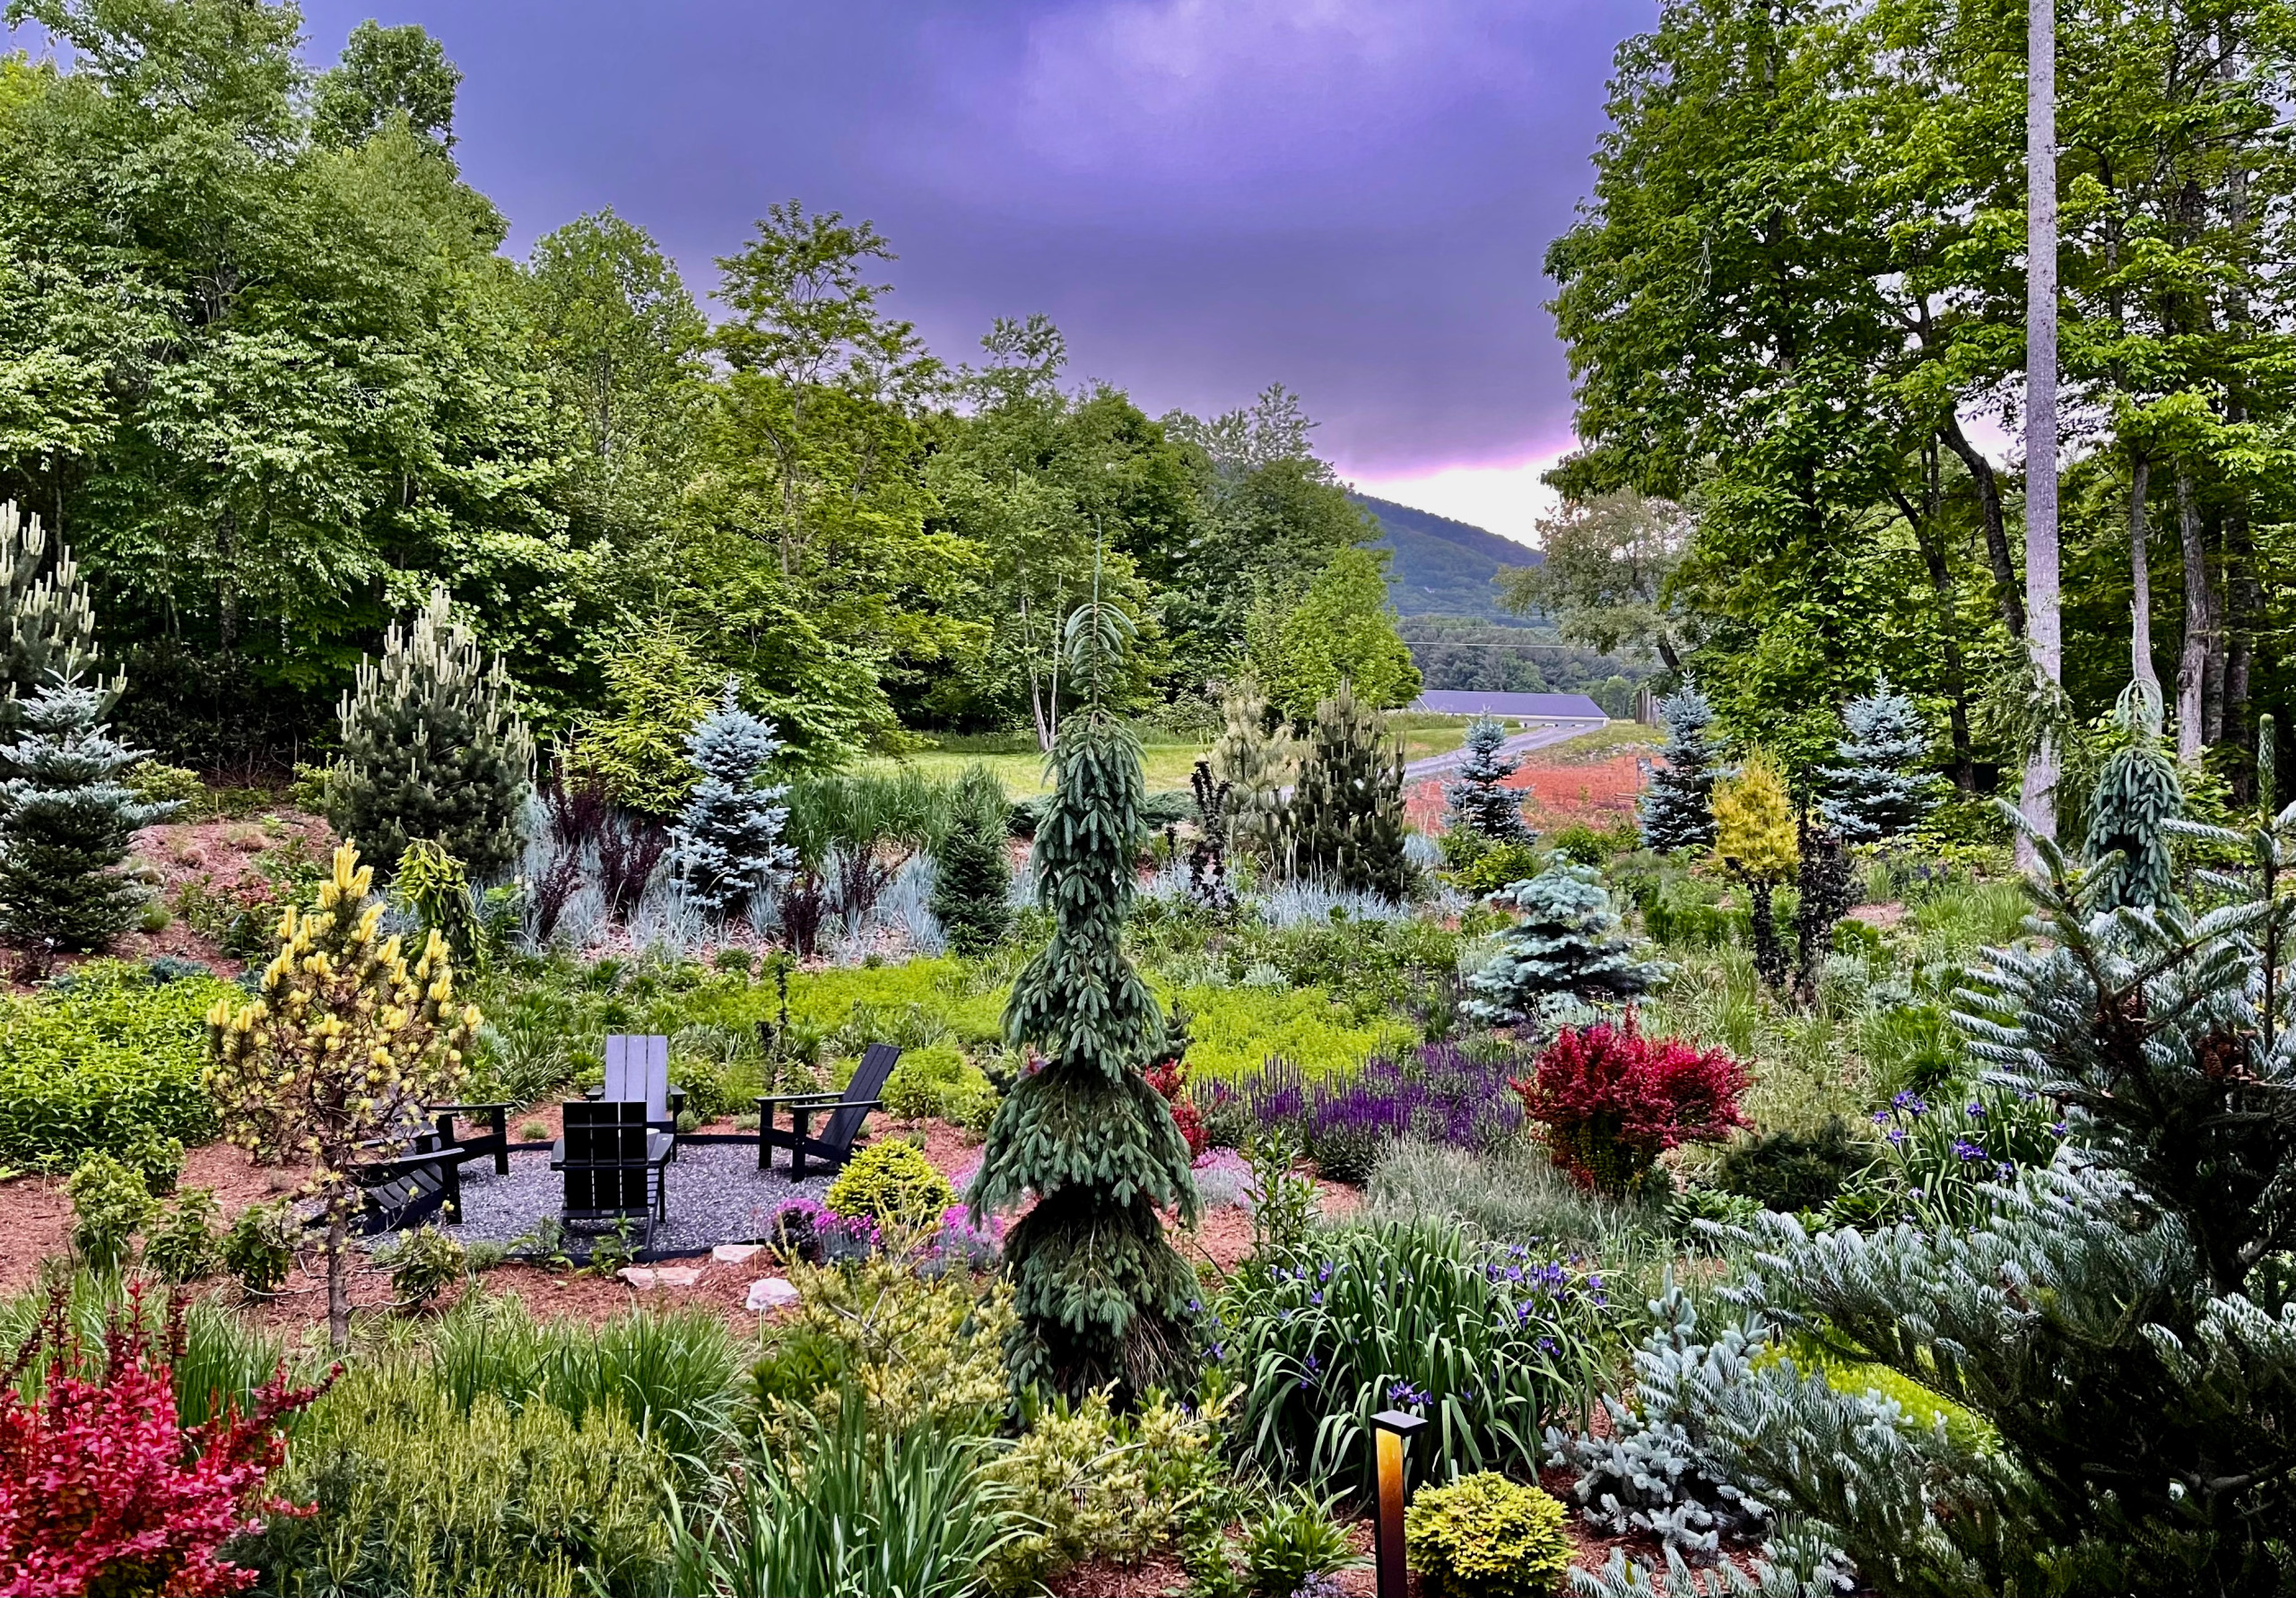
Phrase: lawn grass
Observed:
(1014, 759)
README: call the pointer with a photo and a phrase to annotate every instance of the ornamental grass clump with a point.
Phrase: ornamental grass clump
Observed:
(1612, 1101)
(1488, 1343)
(341, 1046)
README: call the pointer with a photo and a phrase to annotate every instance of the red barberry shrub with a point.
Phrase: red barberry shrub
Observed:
(1612, 1101)
(1168, 1077)
(102, 1491)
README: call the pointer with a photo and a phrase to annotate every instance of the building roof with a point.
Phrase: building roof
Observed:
(1512, 706)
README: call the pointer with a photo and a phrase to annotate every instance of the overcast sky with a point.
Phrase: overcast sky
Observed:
(1351, 197)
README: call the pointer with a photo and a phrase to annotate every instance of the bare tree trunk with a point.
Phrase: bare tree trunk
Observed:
(1924, 523)
(2191, 665)
(2140, 578)
(1996, 533)
(2243, 603)
(2038, 799)
(338, 1277)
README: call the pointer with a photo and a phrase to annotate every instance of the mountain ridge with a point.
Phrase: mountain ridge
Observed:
(1442, 567)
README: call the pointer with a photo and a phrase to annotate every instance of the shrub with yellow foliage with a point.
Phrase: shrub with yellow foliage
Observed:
(1755, 837)
(341, 1046)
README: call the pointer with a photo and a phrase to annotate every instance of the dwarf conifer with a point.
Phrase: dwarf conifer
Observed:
(1479, 798)
(1877, 787)
(1567, 944)
(971, 873)
(1255, 764)
(433, 747)
(728, 837)
(1346, 813)
(1678, 807)
(1101, 1294)
(48, 628)
(2137, 793)
(67, 820)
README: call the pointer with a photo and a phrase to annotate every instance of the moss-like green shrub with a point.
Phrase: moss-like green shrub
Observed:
(423, 1264)
(110, 1205)
(186, 1247)
(939, 1080)
(1093, 1485)
(155, 782)
(259, 1248)
(416, 1493)
(917, 1352)
(1484, 1536)
(891, 1183)
(102, 1062)
(1789, 1171)
(1233, 1032)
(1495, 867)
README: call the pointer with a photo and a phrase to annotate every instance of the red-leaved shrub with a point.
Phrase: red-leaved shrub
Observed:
(102, 1492)
(1168, 1077)
(1613, 1101)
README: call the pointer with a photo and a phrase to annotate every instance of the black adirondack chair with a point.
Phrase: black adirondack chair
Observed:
(847, 1110)
(406, 1189)
(494, 1141)
(615, 1164)
(637, 1069)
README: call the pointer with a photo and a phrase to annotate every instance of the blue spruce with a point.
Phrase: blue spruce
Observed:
(1878, 788)
(1566, 945)
(728, 837)
(1677, 810)
(1479, 799)
(67, 820)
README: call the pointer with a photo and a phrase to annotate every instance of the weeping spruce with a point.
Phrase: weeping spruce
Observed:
(1101, 1294)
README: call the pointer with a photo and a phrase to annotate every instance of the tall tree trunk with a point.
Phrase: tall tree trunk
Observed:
(2192, 664)
(2243, 603)
(2038, 799)
(1924, 523)
(1996, 531)
(2140, 577)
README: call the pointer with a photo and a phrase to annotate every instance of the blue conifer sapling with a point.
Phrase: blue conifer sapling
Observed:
(728, 837)
(67, 820)
(1677, 809)
(1101, 1294)
(1479, 799)
(1878, 788)
(1566, 945)
(2137, 793)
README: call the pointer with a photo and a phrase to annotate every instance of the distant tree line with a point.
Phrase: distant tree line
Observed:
(264, 369)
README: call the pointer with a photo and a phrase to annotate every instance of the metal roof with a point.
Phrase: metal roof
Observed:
(1513, 707)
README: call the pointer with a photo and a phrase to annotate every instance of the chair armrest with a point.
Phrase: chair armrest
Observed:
(823, 1098)
(466, 1109)
(405, 1163)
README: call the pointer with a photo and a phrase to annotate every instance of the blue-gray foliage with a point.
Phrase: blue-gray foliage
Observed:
(1479, 798)
(1877, 789)
(1677, 809)
(1567, 945)
(728, 837)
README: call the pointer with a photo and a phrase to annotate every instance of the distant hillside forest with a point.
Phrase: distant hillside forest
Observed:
(1442, 576)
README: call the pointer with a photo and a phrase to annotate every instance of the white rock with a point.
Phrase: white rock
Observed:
(771, 1292)
(734, 1253)
(652, 1276)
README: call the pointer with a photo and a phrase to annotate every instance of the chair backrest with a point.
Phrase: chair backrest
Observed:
(605, 1155)
(877, 1063)
(637, 1070)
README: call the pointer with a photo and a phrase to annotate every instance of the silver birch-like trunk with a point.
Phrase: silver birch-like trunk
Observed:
(2140, 578)
(2042, 636)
